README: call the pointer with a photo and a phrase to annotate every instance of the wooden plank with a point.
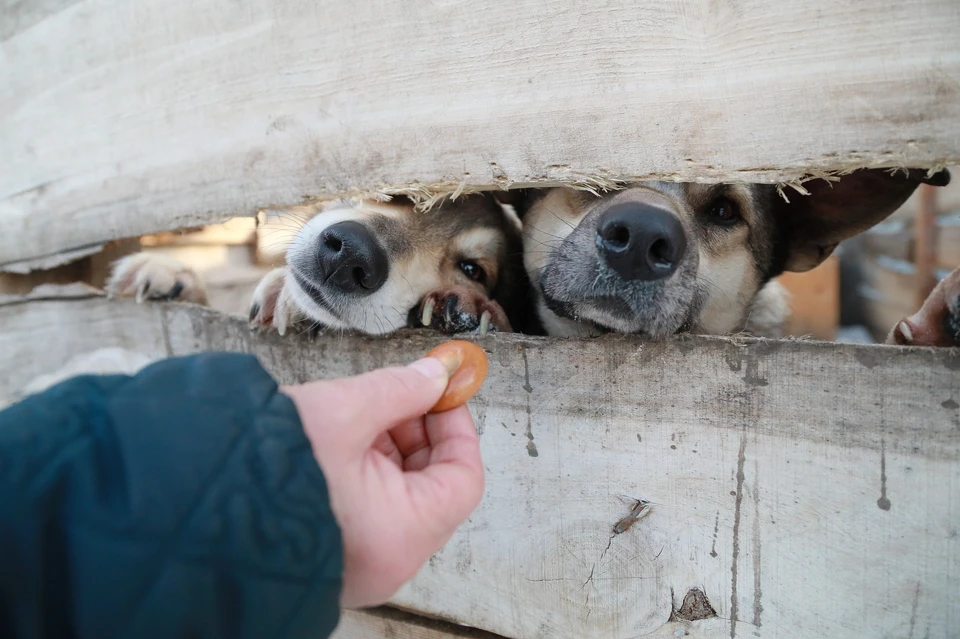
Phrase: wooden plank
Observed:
(118, 122)
(390, 623)
(806, 489)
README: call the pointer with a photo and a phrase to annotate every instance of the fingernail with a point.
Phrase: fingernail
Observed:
(432, 368)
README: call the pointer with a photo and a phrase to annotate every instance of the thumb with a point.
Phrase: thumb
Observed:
(351, 412)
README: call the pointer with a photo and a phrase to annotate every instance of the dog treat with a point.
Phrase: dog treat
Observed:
(467, 364)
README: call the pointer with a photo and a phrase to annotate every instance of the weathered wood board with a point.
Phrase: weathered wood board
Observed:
(389, 623)
(807, 489)
(116, 122)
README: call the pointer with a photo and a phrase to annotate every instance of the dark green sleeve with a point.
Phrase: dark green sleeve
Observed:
(181, 502)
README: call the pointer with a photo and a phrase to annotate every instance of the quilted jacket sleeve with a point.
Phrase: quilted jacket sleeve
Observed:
(184, 501)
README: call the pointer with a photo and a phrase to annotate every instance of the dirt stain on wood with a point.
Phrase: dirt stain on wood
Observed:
(716, 530)
(734, 603)
(531, 446)
(883, 503)
(757, 591)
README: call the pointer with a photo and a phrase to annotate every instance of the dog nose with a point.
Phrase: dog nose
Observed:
(351, 259)
(641, 242)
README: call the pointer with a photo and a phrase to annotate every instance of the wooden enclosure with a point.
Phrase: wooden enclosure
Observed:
(795, 489)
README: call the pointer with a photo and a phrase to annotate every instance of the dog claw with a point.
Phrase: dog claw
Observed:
(484, 322)
(142, 291)
(427, 315)
(905, 331)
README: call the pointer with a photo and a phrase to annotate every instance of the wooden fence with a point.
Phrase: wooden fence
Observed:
(802, 489)
(787, 488)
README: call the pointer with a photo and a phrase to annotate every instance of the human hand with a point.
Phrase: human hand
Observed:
(400, 481)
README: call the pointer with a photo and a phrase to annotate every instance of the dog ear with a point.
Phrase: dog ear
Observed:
(814, 224)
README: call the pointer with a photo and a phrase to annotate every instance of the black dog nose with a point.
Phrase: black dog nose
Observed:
(641, 242)
(351, 259)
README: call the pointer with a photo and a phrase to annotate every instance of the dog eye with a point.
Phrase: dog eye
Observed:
(472, 270)
(724, 211)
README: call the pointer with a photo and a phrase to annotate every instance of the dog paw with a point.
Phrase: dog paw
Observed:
(937, 323)
(271, 306)
(461, 311)
(149, 276)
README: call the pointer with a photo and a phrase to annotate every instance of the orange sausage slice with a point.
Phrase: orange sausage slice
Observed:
(467, 364)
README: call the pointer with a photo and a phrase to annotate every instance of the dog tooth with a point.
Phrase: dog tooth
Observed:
(905, 331)
(427, 316)
(484, 322)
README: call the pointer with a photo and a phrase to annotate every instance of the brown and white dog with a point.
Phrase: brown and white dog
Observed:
(659, 258)
(373, 267)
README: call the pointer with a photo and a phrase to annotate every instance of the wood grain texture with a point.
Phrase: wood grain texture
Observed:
(806, 489)
(122, 121)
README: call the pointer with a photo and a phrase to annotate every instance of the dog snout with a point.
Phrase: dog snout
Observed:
(640, 241)
(351, 259)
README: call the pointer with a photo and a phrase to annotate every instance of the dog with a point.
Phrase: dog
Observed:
(660, 258)
(373, 267)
